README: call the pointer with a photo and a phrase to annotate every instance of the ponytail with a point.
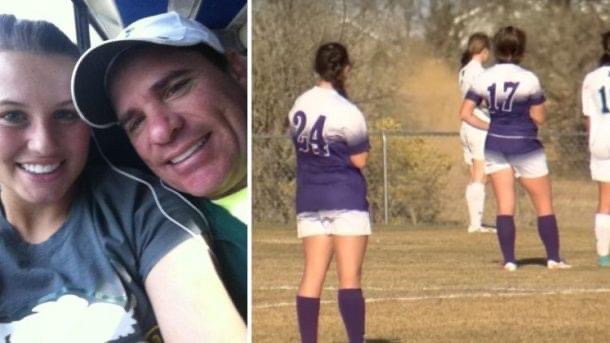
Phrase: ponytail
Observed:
(477, 42)
(331, 61)
(605, 58)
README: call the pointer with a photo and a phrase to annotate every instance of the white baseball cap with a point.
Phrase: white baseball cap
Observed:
(89, 77)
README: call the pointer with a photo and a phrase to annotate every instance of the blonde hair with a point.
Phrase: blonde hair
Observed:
(477, 42)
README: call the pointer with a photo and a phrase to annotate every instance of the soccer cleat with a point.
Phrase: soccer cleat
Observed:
(604, 261)
(510, 266)
(481, 229)
(488, 229)
(473, 229)
(550, 264)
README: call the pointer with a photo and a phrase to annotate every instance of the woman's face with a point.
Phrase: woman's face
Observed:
(43, 142)
(485, 55)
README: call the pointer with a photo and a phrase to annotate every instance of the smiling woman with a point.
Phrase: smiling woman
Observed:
(79, 242)
(43, 144)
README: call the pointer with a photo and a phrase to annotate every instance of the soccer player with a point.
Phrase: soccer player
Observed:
(516, 106)
(595, 106)
(331, 142)
(473, 138)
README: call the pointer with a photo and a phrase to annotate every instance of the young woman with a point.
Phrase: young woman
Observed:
(87, 254)
(596, 108)
(331, 143)
(516, 107)
(473, 138)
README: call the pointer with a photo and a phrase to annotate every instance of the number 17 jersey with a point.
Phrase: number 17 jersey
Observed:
(509, 91)
(326, 130)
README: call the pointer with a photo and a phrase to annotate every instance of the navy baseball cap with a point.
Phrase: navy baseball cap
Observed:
(89, 92)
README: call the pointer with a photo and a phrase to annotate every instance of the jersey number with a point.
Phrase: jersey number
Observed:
(312, 141)
(510, 88)
(602, 93)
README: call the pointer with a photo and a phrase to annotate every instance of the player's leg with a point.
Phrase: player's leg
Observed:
(351, 230)
(503, 182)
(475, 196)
(539, 191)
(602, 224)
(473, 143)
(349, 257)
(318, 251)
(600, 172)
(537, 183)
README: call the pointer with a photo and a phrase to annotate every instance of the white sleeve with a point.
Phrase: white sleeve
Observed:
(536, 94)
(355, 132)
(588, 105)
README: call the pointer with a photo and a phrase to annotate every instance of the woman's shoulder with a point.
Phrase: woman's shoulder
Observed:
(472, 67)
(128, 188)
(599, 72)
(128, 194)
(311, 92)
(119, 179)
(318, 97)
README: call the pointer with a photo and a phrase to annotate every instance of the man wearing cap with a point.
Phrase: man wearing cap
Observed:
(182, 102)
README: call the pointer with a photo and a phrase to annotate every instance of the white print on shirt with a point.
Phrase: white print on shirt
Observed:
(70, 319)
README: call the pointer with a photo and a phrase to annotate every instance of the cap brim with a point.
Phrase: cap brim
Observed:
(88, 79)
(88, 88)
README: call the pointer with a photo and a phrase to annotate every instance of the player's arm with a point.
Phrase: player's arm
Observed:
(467, 115)
(587, 124)
(189, 300)
(537, 113)
(588, 107)
(359, 160)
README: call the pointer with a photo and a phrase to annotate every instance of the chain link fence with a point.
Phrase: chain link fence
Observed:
(421, 177)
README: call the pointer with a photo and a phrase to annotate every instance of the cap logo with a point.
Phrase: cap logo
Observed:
(127, 32)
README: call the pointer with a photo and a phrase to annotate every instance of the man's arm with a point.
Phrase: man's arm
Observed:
(189, 300)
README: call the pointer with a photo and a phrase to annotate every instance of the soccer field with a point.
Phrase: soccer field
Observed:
(441, 284)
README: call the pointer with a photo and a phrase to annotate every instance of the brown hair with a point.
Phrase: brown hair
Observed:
(605, 58)
(477, 42)
(330, 63)
(509, 45)
(34, 36)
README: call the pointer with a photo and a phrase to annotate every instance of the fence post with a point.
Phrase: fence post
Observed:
(385, 177)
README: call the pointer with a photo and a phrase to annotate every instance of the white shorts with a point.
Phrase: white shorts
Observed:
(528, 166)
(473, 142)
(600, 169)
(333, 222)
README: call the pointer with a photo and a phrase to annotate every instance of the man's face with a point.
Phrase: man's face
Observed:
(186, 119)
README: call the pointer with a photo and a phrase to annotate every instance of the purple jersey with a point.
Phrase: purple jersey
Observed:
(510, 91)
(326, 130)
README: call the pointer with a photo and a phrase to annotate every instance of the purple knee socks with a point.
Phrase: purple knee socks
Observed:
(351, 306)
(549, 234)
(506, 237)
(308, 310)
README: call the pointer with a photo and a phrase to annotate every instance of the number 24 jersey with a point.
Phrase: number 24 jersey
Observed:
(326, 130)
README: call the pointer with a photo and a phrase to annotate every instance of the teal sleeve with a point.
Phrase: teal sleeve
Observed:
(230, 245)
